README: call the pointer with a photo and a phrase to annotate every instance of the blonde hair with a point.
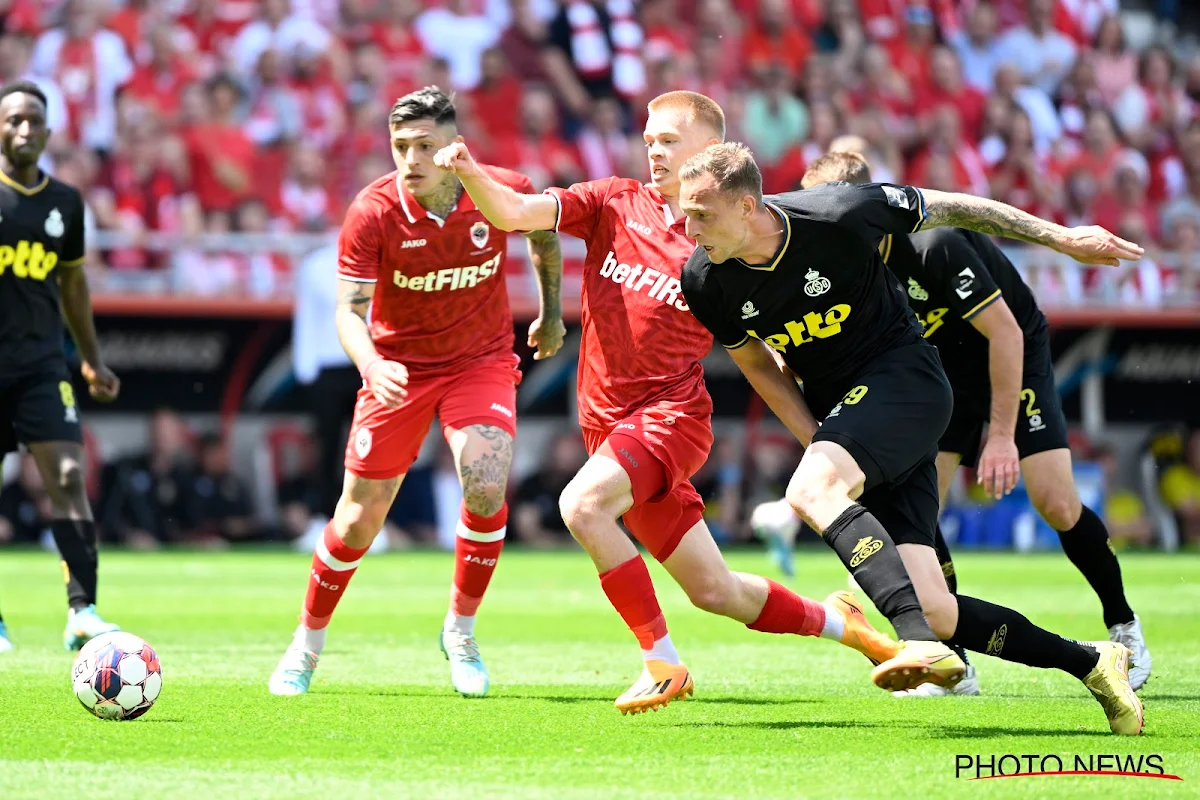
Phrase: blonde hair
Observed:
(696, 107)
(731, 164)
(841, 166)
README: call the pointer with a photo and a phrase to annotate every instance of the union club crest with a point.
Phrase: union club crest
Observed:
(916, 291)
(54, 224)
(816, 284)
(479, 234)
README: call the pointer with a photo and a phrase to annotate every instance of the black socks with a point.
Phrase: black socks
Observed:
(871, 556)
(76, 540)
(998, 631)
(1088, 548)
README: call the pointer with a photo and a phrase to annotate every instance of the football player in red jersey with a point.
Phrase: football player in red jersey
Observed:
(643, 406)
(418, 253)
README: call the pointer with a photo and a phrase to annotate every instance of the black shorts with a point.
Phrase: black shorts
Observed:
(38, 407)
(1041, 424)
(892, 418)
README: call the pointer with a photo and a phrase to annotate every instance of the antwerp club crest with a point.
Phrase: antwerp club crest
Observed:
(362, 442)
(479, 234)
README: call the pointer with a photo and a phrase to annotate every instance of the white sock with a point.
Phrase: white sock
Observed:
(663, 650)
(311, 639)
(835, 624)
(459, 623)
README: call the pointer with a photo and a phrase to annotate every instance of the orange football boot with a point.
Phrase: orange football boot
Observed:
(918, 663)
(659, 684)
(859, 633)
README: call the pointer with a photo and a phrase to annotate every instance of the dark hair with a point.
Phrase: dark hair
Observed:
(428, 103)
(23, 87)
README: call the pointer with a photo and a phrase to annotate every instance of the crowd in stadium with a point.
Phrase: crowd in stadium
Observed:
(184, 116)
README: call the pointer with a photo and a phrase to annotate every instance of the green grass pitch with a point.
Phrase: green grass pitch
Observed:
(773, 716)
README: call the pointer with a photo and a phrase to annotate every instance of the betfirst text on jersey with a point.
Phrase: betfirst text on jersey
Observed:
(639, 278)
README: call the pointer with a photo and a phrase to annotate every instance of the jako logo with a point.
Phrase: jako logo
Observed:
(502, 410)
(628, 457)
(452, 279)
(662, 288)
(413, 243)
(644, 230)
(483, 562)
(333, 587)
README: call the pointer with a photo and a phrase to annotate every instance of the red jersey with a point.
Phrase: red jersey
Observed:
(441, 299)
(640, 342)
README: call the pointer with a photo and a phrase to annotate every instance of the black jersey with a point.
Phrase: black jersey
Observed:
(950, 275)
(41, 230)
(826, 301)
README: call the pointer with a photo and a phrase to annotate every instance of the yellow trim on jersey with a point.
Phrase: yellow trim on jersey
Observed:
(75, 262)
(885, 247)
(920, 209)
(742, 343)
(991, 298)
(25, 190)
(787, 238)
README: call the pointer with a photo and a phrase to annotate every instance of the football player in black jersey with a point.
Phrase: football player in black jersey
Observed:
(42, 280)
(994, 343)
(801, 273)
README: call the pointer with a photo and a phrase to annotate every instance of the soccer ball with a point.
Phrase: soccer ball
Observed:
(117, 676)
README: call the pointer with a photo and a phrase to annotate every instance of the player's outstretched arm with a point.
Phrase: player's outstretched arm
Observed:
(77, 311)
(546, 333)
(1090, 244)
(780, 392)
(504, 207)
(999, 463)
(386, 379)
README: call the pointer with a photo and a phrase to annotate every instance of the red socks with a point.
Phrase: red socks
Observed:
(476, 550)
(631, 592)
(787, 612)
(333, 565)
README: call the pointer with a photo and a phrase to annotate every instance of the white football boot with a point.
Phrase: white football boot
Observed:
(1130, 634)
(467, 672)
(294, 673)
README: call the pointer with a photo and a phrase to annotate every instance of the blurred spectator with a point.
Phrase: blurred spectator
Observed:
(217, 500)
(978, 48)
(89, 63)
(25, 508)
(946, 86)
(159, 82)
(1042, 54)
(1116, 65)
(331, 382)
(594, 50)
(958, 162)
(279, 29)
(1022, 176)
(775, 119)
(540, 152)
(496, 96)
(451, 31)
(719, 484)
(143, 495)
(535, 519)
(603, 145)
(1179, 485)
(221, 156)
(524, 41)
(775, 42)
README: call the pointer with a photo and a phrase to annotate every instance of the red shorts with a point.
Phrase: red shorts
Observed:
(384, 442)
(659, 450)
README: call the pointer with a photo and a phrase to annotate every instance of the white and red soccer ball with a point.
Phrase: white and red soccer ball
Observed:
(117, 676)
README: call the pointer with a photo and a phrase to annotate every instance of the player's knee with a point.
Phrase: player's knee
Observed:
(811, 488)
(357, 522)
(711, 593)
(1060, 509)
(578, 508)
(69, 481)
(484, 498)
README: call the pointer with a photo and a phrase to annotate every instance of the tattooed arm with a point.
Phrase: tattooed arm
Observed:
(547, 331)
(386, 378)
(1088, 244)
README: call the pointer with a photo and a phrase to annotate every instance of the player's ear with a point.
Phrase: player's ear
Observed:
(458, 139)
